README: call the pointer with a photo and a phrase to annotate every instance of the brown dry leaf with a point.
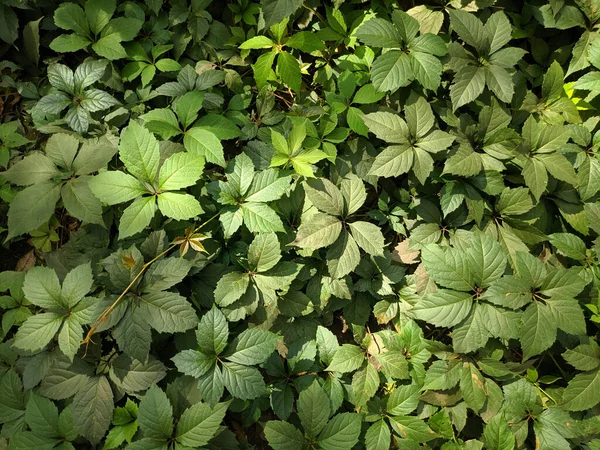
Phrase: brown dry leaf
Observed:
(423, 283)
(402, 253)
(26, 262)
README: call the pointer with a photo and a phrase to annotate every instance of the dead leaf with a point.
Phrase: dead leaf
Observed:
(402, 253)
(26, 262)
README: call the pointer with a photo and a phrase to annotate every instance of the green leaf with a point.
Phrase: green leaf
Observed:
(187, 107)
(264, 252)
(538, 330)
(253, 346)
(306, 41)
(42, 288)
(422, 165)
(468, 85)
(388, 127)
(486, 259)
(260, 218)
(408, 427)
(568, 315)
(219, 125)
(444, 308)
(288, 70)
(391, 71)
(563, 283)
(70, 16)
(472, 387)
(231, 287)
(180, 171)
(470, 29)
(448, 267)
(267, 185)
(212, 332)
(257, 42)
(341, 432)
(70, 336)
(368, 237)
(194, 363)
(93, 156)
(163, 122)
(113, 187)
(405, 398)
(353, 193)
(325, 196)
(37, 331)
(243, 382)
(471, 334)
(263, 68)
(98, 13)
(320, 231)
(133, 375)
(347, 358)
(588, 178)
(204, 143)
(66, 43)
(499, 29)
(569, 245)
(498, 435)
(93, 409)
(178, 206)
(343, 256)
(138, 150)
(155, 416)
(427, 69)
(168, 312)
(552, 85)
(274, 11)
(365, 383)
(9, 25)
(137, 216)
(33, 169)
(394, 161)
(583, 357)
(513, 202)
(199, 423)
(378, 33)
(582, 392)
(42, 416)
(283, 436)
(109, 47)
(500, 82)
(407, 26)
(378, 436)
(536, 177)
(313, 409)
(80, 202)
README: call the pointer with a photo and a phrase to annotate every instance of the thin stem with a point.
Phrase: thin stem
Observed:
(112, 307)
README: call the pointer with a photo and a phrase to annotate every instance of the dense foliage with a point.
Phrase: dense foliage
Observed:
(299, 224)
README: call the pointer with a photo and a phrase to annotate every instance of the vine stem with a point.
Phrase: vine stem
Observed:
(88, 338)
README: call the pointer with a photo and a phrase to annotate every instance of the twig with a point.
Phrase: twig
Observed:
(111, 308)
